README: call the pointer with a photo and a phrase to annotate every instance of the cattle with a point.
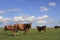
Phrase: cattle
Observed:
(22, 27)
(9, 28)
(40, 28)
(57, 27)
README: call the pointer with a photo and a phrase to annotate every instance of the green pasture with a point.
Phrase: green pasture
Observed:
(33, 34)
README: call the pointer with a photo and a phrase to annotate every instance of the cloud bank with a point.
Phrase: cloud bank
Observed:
(40, 20)
(10, 10)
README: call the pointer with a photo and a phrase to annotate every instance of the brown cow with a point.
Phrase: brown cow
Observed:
(9, 28)
(39, 28)
(22, 27)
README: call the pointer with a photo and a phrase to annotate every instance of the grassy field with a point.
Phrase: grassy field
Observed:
(33, 34)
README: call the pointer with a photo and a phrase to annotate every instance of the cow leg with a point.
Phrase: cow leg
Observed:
(12, 30)
(15, 33)
(39, 30)
(26, 30)
(5, 30)
(45, 30)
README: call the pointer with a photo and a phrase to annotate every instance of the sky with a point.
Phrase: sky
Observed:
(39, 12)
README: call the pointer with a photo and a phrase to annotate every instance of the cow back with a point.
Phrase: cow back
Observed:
(8, 27)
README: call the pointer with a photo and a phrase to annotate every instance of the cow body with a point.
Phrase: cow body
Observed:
(39, 28)
(9, 28)
(57, 26)
(22, 27)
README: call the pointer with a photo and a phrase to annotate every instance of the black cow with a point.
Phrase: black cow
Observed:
(57, 26)
(39, 28)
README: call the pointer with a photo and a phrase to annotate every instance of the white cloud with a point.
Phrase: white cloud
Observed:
(7, 19)
(43, 9)
(1, 18)
(52, 4)
(41, 21)
(16, 18)
(45, 16)
(40, 17)
(24, 18)
(10, 10)
(31, 18)
(4, 19)
(15, 9)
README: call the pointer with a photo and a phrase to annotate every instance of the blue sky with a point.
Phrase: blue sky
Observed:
(10, 9)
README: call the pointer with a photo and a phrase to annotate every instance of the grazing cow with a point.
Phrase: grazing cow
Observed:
(39, 28)
(9, 28)
(57, 26)
(22, 27)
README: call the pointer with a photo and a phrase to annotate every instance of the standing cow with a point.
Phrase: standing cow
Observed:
(57, 26)
(40, 28)
(9, 28)
(22, 27)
